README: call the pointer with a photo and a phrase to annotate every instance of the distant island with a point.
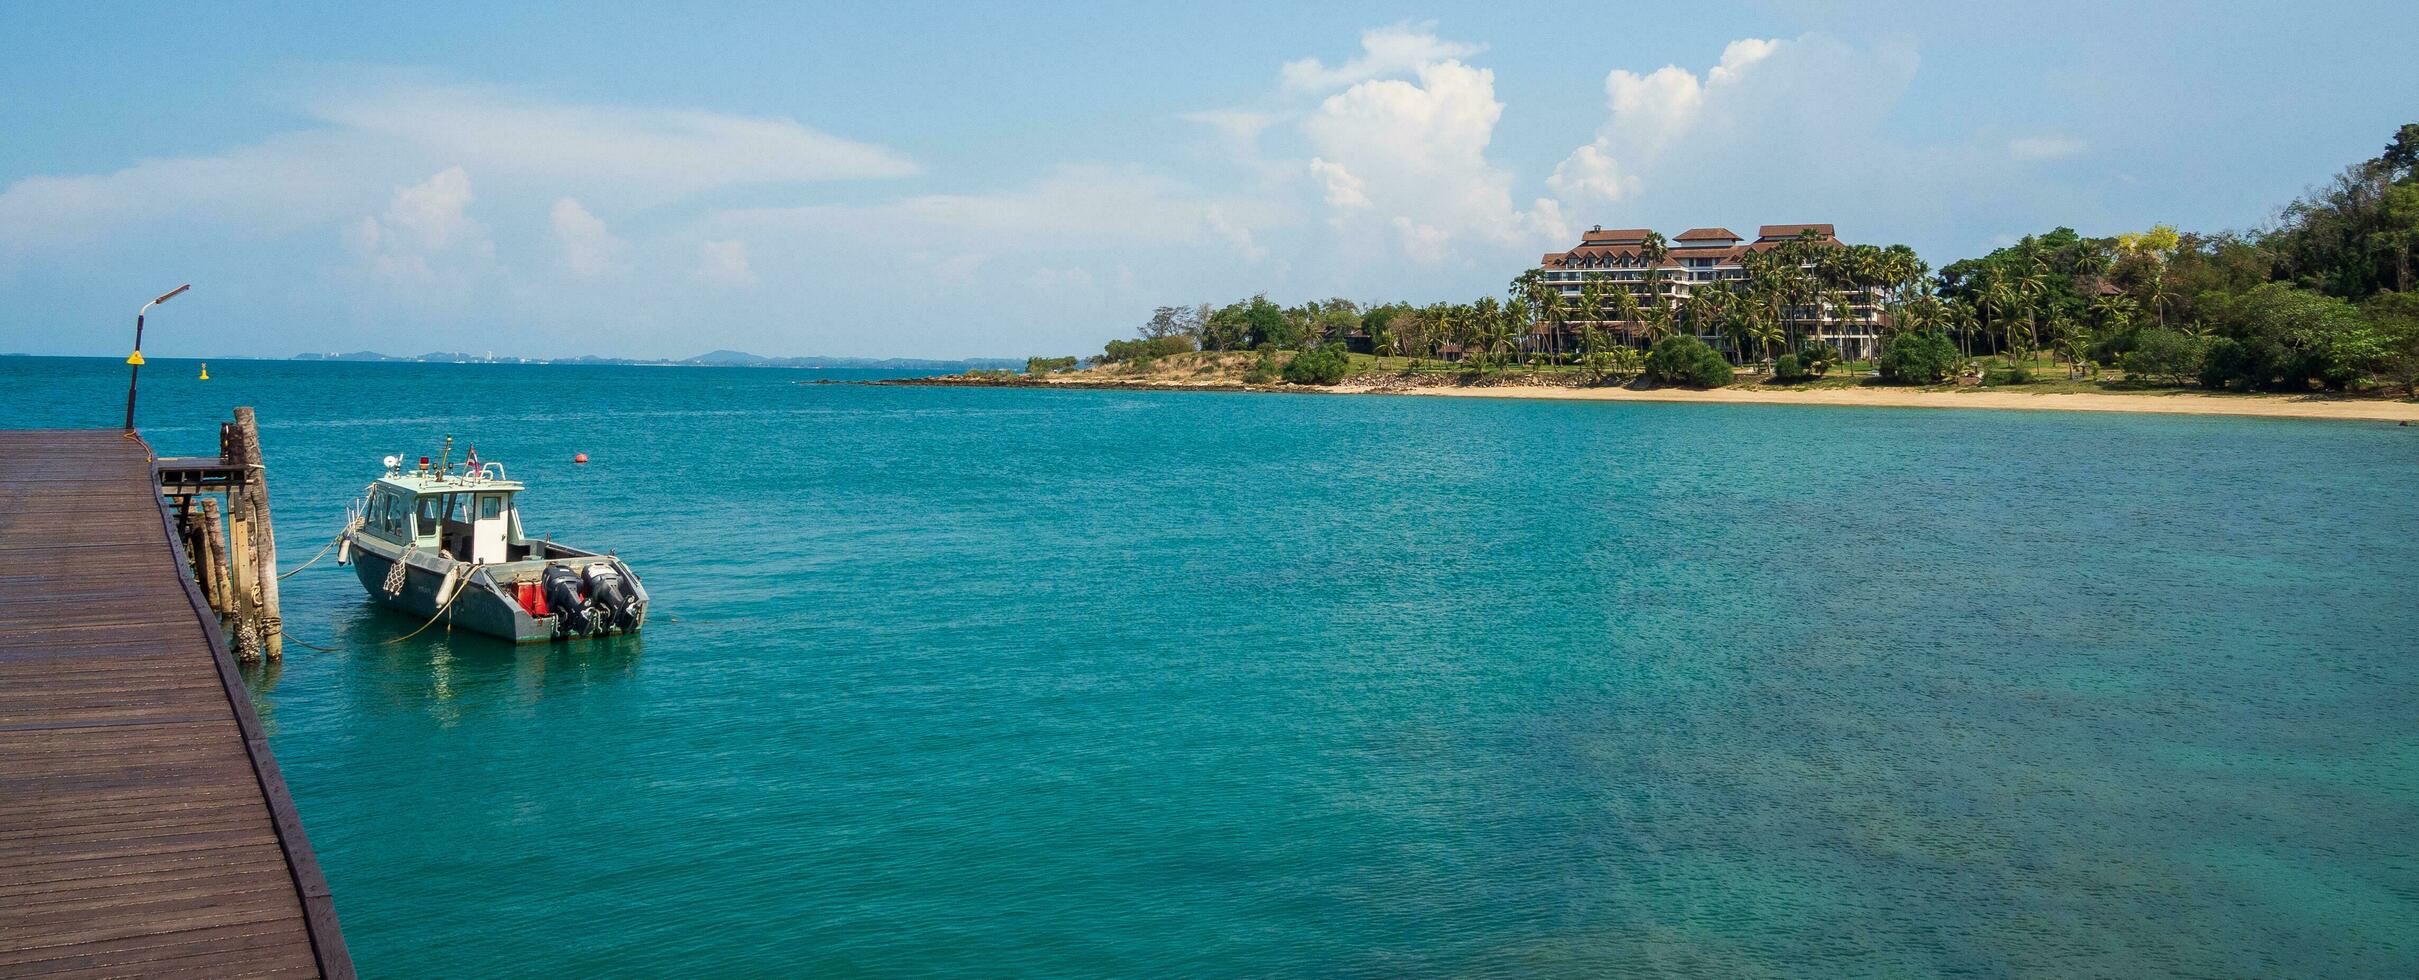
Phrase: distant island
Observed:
(720, 358)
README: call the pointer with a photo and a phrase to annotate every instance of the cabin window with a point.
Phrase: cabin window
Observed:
(386, 514)
(491, 507)
(428, 515)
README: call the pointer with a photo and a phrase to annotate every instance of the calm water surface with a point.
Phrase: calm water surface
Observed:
(1089, 683)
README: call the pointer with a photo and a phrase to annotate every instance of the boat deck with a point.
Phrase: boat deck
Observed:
(144, 827)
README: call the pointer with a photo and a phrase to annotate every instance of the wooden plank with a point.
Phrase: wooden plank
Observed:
(144, 827)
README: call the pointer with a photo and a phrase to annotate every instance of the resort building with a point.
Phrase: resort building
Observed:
(1625, 259)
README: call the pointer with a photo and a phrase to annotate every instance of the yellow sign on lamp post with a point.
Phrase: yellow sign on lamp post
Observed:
(134, 361)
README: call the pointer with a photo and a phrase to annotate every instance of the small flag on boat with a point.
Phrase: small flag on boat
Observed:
(473, 461)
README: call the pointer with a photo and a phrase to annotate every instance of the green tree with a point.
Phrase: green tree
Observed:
(1323, 365)
(1267, 325)
(2395, 319)
(2278, 336)
(2168, 356)
(1610, 362)
(1684, 360)
(1919, 357)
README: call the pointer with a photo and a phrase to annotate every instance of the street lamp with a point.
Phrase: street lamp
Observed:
(134, 361)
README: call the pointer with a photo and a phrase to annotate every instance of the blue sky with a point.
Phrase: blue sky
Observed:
(1032, 178)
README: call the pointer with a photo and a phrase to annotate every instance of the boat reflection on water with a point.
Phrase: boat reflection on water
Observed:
(461, 674)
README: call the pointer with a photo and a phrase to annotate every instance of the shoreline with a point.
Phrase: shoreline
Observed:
(2176, 402)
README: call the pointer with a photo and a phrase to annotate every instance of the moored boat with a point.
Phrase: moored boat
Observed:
(445, 542)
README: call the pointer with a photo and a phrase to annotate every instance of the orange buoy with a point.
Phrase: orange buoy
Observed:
(580, 458)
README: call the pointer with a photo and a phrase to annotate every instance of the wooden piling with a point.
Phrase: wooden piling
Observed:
(240, 574)
(262, 542)
(212, 561)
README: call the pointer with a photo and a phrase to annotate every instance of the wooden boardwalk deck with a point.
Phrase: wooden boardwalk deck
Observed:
(144, 828)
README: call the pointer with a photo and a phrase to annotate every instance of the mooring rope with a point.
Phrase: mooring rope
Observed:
(288, 634)
(441, 610)
(323, 552)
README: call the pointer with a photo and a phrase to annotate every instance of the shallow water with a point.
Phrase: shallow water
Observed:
(1082, 682)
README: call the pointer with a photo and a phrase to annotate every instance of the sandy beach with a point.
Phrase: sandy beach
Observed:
(2177, 402)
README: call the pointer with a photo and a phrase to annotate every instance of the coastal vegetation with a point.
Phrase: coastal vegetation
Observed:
(1681, 359)
(2321, 298)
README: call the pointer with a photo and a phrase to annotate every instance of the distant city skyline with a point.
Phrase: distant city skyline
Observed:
(1031, 179)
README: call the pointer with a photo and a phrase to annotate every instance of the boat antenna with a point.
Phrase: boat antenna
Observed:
(446, 462)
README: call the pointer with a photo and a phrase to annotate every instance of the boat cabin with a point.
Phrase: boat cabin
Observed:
(468, 516)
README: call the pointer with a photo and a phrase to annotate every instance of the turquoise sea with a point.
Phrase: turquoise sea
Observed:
(1097, 683)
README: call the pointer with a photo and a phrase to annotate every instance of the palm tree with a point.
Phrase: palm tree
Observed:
(1551, 313)
(1592, 298)
(2161, 294)
(1999, 300)
(1625, 310)
(2032, 287)
(1654, 251)
(1486, 324)
(1518, 318)
(2069, 340)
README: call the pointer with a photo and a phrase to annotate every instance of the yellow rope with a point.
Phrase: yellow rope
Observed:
(323, 552)
(282, 631)
(441, 610)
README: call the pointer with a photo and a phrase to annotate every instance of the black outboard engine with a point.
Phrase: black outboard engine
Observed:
(615, 604)
(562, 587)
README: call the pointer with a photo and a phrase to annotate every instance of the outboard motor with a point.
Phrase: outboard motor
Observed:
(562, 587)
(616, 605)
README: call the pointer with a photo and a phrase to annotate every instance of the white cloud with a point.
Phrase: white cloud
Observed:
(589, 249)
(725, 263)
(281, 185)
(1650, 114)
(2044, 147)
(1385, 51)
(366, 142)
(1421, 242)
(657, 153)
(1240, 129)
(1410, 156)
(1591, 173)
(1803, 129)
(1236, 233)
(1070, 279)
(425, 242)
(1345, 192)
(1077, 206)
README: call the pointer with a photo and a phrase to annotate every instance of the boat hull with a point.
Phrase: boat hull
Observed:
(483, 605)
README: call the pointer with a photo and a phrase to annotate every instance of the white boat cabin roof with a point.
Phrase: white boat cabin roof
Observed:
(413, 483)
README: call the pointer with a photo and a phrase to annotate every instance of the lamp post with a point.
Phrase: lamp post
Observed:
(134, 362)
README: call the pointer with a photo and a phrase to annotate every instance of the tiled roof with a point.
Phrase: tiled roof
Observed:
(1707, 235)
(1615, 234)
(1791, 231)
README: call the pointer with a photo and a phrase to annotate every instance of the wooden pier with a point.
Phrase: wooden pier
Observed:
(144, 827)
